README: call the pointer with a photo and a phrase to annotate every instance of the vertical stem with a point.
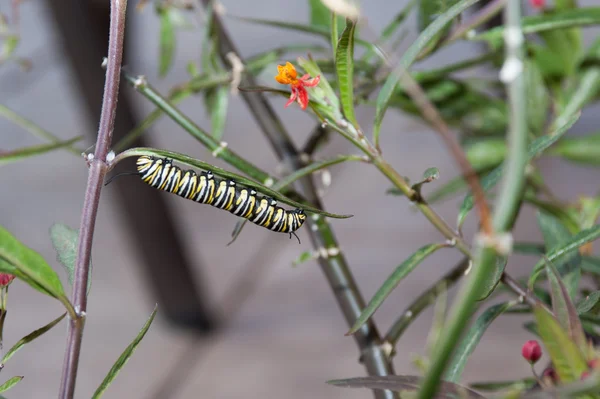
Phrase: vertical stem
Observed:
(516, 159)
(96, 175)
(491, 244)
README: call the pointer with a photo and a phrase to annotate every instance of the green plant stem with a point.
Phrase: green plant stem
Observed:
(487, 12)
(97, 171)
(510, 193)
(33, 128)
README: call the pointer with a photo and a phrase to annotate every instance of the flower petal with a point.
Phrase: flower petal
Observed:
(302, 97)
(291, 70)
(284, 80)
(311, 82)
(293, 97)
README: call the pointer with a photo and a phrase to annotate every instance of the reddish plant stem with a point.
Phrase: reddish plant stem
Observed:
(96, 175)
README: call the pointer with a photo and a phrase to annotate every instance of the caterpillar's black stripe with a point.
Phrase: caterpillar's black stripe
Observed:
(224, 194)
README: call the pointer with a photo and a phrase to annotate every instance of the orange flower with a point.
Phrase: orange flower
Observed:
(287, 75)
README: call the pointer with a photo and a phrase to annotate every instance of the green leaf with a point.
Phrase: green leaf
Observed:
(344, 64)
(579, 389)
(424, 39)
(582, 16)
(124, 358)
(583, 150)
(392, 282)
(30, 337)
(537, 97)
(568, 361)
(574, 243)
(321, 16)
(22, 153)
(486, 153)
(11, 382)
(561, 245)
(589, 303)
(216, 101)
(166, 41)
(493, 278)
(64, 240)
(406, 384)
(564, 309)
(184, 159)
(535, 149)
(28, 265)
(304, 257)
(526, 383)
(431, 174)
(462, 352)
(430, 10)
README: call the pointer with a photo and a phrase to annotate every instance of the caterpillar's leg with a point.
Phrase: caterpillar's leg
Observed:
(294, 233)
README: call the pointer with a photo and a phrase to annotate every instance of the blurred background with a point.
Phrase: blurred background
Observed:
(278, 331)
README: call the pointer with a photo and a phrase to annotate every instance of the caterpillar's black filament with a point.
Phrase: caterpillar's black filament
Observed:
(160, 173)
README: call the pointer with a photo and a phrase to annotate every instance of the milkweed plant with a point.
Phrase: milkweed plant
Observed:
(544, 76)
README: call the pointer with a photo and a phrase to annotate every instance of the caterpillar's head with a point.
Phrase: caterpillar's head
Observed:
(301, 215)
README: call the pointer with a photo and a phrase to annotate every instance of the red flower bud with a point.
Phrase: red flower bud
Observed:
(537, 3)
(5, 279)
(531, 351)
(594, 363)
(585, 375)
(551, 374)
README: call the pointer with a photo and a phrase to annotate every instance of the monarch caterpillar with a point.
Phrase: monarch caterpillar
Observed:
(160, 173)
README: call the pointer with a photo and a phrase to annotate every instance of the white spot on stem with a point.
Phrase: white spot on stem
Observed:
(220, 148)
(511, 70)
(237, 67)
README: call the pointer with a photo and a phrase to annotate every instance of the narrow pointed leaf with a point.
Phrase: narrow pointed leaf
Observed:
(184, 159)
(535, 149)
(526, 383)
(589, 303)
(564, 309)
(579, 389)
(392, 282)
(217, 101)
(555, 235)
(166, 42)
(30, 337)
(26, 262)
(344, 64)
(322, 31)
(583, 150)
(471, 340)
(305, 257)
(409, 383)
(567, 359)
(581, 16)
(574, 243)
(124, 358)
(27, 152)
(64, 240)
(424, 39)
(10, 383)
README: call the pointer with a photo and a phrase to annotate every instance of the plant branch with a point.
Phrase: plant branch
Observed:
(96, 175)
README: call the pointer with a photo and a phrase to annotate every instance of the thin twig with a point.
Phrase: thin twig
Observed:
(96, 175)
